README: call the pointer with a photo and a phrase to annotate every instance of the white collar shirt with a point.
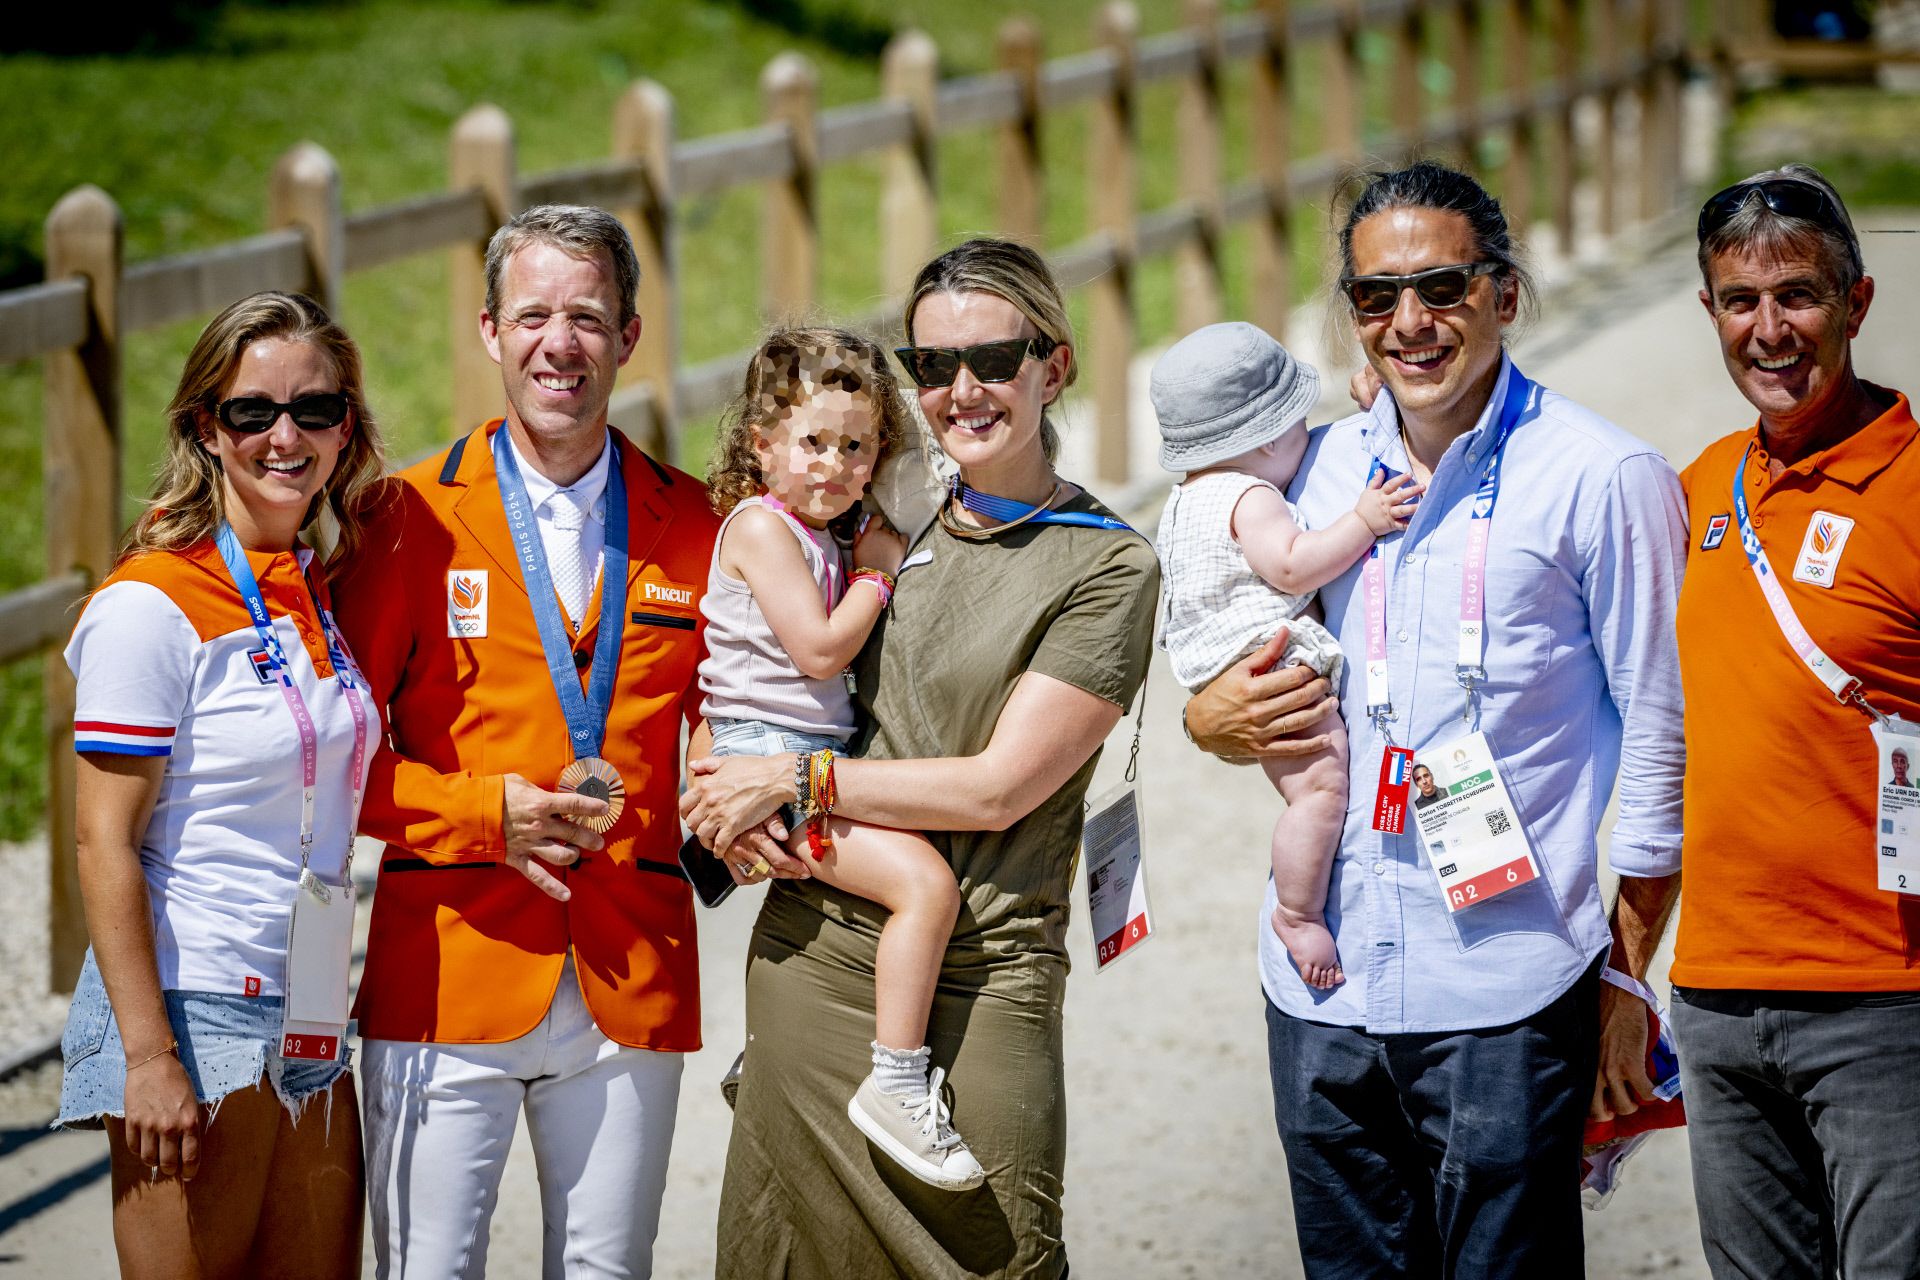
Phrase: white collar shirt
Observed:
(563, 532)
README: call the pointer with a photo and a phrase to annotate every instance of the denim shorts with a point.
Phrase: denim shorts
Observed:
(758, 738)
(226, 1043)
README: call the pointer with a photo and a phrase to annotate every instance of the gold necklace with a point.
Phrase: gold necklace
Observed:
(958, 530)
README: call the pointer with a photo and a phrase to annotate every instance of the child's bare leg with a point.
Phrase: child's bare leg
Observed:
(1305, 840)
(904, 873)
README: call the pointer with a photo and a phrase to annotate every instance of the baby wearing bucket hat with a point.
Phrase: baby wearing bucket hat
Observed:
(1238, 565)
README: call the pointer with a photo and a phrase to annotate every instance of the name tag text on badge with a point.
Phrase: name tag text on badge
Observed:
(1820, 550)
(1470, 827)
(1112, 842)
(1897, 830)
(1390, 802)
(467, 604)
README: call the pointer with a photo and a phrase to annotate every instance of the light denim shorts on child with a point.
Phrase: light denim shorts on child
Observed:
(226, 1043)
(758, 738)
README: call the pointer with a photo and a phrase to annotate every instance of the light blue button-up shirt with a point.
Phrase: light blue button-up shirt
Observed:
(1583, 686)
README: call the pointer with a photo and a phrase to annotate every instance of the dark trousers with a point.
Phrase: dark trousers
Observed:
(1453, 1154)
(1803, 1120)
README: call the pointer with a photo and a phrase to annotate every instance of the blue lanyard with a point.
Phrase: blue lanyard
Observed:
(1007, 511)
(586, 715)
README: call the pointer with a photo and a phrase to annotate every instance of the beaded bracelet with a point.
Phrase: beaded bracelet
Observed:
(823, 793)
(879, 578)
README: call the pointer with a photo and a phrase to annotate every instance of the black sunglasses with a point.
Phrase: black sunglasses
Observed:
(990, 361)
(250, 415)
(1788, 197)
(1439, 288)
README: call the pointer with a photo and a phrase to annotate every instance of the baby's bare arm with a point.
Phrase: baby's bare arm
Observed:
(1287, 557)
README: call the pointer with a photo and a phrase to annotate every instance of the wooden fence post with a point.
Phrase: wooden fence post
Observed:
(909, 199)
(1272, 124)
(1606, 44)
(1345, 103)
(1022, 179)
(1466, 29)
(1561, 167)
(482, 157)
(1516, 50)
(789, 225)
(643, 133)
(1647, 95)
(1408, 93)
(304, 192)
(1669, 35)
(1112, 183)
(1199, 291)
(80, 455)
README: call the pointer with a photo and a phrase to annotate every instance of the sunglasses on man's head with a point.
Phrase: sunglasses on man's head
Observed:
(250, 415)
(1439, 288)
(990, 361)
(1788, 197)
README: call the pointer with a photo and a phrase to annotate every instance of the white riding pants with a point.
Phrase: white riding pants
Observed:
(440, 1119)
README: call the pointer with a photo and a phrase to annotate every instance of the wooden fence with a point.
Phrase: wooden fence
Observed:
(1605, 51)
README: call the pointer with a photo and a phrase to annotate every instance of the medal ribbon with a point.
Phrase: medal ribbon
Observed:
(1469, 666)
(344, 671)
(586, 715)
(1836, 678)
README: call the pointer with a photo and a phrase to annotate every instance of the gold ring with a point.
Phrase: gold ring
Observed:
(760, 868)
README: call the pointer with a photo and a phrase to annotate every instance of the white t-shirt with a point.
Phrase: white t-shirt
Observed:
(168, 664)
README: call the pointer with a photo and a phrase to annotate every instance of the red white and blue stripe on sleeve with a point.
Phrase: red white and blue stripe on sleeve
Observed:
(123, 739)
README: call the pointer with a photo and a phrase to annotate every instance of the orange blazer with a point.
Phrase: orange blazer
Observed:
(464, 949)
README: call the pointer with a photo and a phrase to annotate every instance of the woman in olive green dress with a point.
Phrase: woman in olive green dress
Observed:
(1009, 654)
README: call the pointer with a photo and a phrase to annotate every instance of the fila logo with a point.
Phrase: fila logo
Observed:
(262, 664)
(1716, 532)
(1820, 552)
(666, 593)
(467, 604)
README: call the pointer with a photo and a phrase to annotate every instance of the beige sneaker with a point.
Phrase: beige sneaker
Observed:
(915, 1133)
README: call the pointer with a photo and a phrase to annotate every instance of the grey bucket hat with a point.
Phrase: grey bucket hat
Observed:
(1225, 389)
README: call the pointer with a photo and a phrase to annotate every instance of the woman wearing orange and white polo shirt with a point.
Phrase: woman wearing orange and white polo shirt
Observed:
(223, 742)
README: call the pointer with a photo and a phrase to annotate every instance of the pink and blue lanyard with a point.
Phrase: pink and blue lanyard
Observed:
(1839, 682)
(1469, 664)
(281, 673)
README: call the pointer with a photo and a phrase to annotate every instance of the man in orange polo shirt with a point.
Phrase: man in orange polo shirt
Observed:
(1797, 968)
(527, 610)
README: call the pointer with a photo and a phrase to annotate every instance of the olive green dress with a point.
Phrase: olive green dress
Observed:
(806, 1196)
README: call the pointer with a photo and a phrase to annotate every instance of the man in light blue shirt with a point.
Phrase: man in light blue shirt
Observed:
(1431, 1106)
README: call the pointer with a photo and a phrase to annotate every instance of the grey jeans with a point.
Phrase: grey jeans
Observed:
(1803, 1118)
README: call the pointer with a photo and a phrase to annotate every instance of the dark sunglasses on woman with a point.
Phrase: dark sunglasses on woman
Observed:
(1439, 288)
(250, 415)
(1788, 197)
(990, 361)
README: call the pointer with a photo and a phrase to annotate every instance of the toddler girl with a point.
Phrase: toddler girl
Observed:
(1238, 565)
(820, 409)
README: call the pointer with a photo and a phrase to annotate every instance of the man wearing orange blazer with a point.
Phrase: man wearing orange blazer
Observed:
(519, 959)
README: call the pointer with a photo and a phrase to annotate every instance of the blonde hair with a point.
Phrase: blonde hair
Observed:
(186, 504)
(1012, 271)
(774, 378)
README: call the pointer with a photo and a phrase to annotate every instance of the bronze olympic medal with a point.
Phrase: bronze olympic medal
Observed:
(592, 776)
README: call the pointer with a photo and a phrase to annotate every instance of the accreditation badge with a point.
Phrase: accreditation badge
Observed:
(1469, 825)
(1112, 842)
(319, 963)
(1897, 744)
